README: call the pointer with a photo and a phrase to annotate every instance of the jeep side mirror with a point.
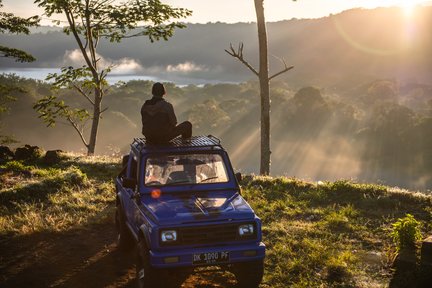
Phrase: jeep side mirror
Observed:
(238, 176)
(129, 183)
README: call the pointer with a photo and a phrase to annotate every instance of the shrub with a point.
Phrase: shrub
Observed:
(405, 232)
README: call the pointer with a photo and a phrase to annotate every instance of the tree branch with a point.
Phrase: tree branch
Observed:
(282, 71)
(79, 131)
(83, 93)
(239, 55)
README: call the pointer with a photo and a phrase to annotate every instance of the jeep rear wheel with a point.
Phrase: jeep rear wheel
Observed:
(249, 274)
(124, 238)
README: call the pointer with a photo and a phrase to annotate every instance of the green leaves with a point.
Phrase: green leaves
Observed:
(107, 19)
(50, 108)
(14, 24)
(69, 76)
(9, 23)
(406, 231)
(19, 55)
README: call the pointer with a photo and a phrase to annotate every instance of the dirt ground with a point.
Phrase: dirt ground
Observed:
(85, 257)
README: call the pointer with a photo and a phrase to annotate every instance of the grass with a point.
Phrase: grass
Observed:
(335, 234)
(38, 198)
(331, 234)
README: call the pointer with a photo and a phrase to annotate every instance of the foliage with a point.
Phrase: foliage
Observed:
(406, 232)
(9, 23)
(89, 22)
(7, 90)
(331, 136)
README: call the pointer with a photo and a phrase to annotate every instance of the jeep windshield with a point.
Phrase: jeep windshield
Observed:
(176, 169)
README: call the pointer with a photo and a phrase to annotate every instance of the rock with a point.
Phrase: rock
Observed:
(53, 156)
(426, 263)
(405, 260)
(372, 258)
(28, 153)
(5, 154)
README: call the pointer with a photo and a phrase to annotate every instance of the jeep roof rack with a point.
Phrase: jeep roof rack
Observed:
(200, 141)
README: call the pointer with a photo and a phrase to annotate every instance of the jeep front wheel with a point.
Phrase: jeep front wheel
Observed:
(249, 274)
(146, 275)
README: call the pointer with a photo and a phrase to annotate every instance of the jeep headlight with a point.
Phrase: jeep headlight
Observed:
(246, 230)
(169, 236)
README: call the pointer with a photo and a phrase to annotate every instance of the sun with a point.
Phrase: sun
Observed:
(409, 6)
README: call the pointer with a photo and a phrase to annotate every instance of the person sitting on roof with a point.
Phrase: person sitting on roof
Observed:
(159, 120)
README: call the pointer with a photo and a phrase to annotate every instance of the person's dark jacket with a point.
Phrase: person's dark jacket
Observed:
(158, 118)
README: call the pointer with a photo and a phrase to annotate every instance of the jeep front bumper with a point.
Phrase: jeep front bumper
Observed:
(205, 256)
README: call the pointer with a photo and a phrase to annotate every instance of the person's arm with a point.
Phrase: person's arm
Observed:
(171, 115)
(142, 114)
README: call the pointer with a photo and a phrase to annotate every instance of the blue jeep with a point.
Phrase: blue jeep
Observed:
(181, 204)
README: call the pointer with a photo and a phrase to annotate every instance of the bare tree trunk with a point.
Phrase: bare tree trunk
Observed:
(264, 79)
(264, 88)
(95, 123)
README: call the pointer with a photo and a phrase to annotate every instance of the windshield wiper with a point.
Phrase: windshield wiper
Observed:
(180, 182)
(209, 178)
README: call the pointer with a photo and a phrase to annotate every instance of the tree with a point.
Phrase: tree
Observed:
(264, 80)
(90, 21)
(9, 23)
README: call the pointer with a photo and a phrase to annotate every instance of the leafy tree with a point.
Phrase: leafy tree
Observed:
(6, 95)
(264, 80)
(90, 21)
(9, 23)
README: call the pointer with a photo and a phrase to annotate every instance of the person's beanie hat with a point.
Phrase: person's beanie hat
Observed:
(158, 89)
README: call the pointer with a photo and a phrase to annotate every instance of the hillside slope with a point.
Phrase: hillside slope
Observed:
(57, 229)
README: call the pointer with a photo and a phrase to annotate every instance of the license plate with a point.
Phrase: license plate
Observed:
(210, 258)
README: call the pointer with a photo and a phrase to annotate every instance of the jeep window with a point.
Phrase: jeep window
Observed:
(185, 169)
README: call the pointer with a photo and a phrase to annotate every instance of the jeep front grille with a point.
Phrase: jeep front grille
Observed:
(209, 234)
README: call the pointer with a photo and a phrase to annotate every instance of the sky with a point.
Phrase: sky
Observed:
(232, 11)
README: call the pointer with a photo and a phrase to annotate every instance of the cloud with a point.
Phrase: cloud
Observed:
(73, 57)
(121, 66)
(126, 66)
(185, 67)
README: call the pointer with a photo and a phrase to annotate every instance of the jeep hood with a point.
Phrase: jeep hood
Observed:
(176, 208)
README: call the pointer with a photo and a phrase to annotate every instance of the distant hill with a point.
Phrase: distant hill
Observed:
(356, 44)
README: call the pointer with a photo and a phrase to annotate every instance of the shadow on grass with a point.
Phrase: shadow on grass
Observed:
(80, 257)
(103, 171)
(30, 193)
(84, 257)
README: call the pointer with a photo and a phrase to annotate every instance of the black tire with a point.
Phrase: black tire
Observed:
(150, 277)
(146, 276)
(124, 238)
(249, 274)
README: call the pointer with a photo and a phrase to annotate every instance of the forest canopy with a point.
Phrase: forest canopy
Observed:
(377, 131)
